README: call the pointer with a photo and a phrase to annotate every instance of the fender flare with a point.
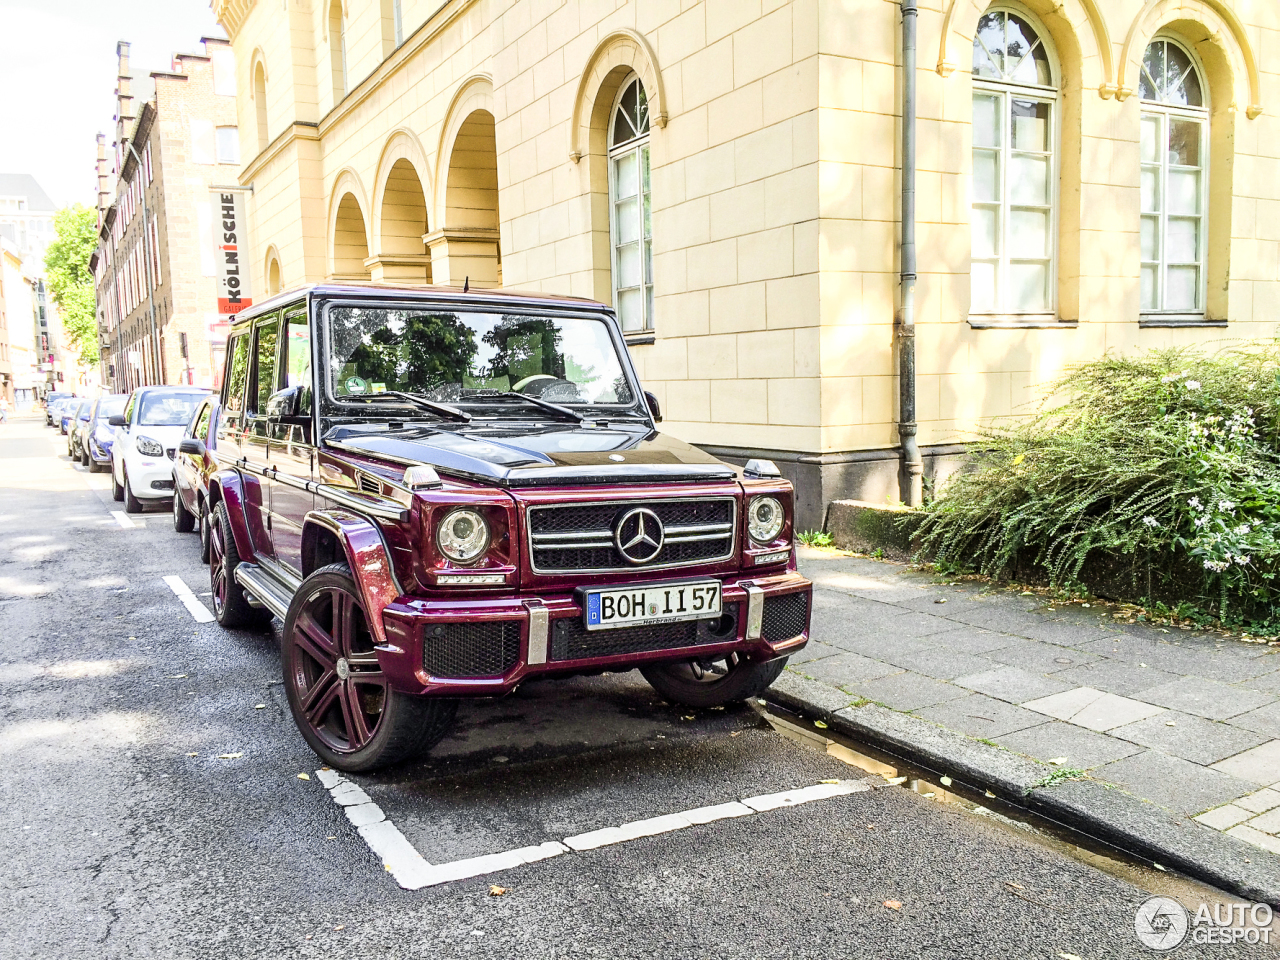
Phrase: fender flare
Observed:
(225, 487)
(367, 555)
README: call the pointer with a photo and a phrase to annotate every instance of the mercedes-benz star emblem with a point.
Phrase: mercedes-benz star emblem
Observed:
(638, 535)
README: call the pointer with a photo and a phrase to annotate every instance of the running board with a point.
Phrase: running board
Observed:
(262, 589)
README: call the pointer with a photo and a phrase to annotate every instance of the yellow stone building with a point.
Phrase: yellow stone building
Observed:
(1090, 177)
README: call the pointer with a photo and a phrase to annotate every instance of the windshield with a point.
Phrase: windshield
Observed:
(109, 407)
(167, 409)
(462, 357)
(82, 410)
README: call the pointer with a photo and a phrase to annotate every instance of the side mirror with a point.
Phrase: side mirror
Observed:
(116, 420)
(192, 446)
(285, 404)
(654, 408)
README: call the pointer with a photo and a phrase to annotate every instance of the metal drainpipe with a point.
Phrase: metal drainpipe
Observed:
(911, 474)
(158, 353)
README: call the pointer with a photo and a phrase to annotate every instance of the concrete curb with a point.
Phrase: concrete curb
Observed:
(1095, 809)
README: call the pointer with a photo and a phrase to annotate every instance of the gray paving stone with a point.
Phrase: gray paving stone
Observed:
(1115, 676)
(935, 660)
(845, 669)
(981, 717)
(1082, 748)
(1200, 660)
(1263, 720)
(1093, 709)
(1267, 683)
(1039, 657)
(1174, 783)
(1258, 764)
(1011, 684)
(1000, 620)
(813, 650)
(1204, 698)
(1066, 634)
(975, 640)
(907, 691)
(884, 589)
(1191, 738)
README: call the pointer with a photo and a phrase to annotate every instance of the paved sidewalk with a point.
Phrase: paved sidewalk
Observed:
(1189, 721)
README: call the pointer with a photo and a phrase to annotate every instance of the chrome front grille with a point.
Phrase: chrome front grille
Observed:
(579, 537)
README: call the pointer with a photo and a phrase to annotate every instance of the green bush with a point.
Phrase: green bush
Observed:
(1171, 459)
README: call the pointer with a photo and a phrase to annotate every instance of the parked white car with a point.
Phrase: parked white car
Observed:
(146, 437)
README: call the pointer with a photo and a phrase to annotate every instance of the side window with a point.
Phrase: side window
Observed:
(298, 358)
(128, 410)
(233, 402)
(202, 425)
(264, 365)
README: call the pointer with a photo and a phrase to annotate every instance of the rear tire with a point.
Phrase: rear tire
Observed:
(183, 520)
(713, 683)
(131, 503)
(230, 605)
(204, 533)
(341, 701)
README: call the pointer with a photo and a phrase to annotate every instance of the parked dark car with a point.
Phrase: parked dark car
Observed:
(445, 493)
(49, 401)
(66, 410)
(79, 416)
(97, 436)
(193, 465)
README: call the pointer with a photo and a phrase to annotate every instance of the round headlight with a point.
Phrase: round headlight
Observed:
(463, 535)
(764, 519)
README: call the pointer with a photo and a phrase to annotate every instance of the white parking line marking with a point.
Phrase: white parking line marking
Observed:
(122, 518)
(413, 872)
(193, 605)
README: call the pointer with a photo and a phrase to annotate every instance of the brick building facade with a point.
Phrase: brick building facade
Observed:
(176, 140)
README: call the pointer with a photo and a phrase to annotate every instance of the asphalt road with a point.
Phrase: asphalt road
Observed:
(126, 835)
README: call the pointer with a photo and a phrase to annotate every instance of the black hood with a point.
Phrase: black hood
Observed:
(522, 455)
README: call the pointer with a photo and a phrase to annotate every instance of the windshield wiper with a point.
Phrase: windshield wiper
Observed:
(440, 409)
(536, 401)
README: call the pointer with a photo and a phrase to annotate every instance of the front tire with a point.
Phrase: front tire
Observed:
(131, 503)
(86, 461)
(341, 701)
(729, 678)
(117, 491)
(204, 533)
(230, 605)
(183, 520)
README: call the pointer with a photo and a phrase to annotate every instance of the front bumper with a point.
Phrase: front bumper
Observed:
(150, 478)
(99, 452)
(481, 648)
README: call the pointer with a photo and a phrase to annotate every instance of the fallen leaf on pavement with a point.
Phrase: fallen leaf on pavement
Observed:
(828, 781)
(893, 904)
(894, 781)
(735, 733)
(945, 781)
(1058, 761)
(304, 776)
(230, 756)
(1016, 886)
(178, 676)
(341, 926)
(496, 891)
(941, 600)
(819, 724)
(259, 706)
(1068, 956)
(990, 794)
(1171, 723)
(193, 754)
(690, 717)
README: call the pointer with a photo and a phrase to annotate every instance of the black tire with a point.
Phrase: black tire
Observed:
(183, 519)
(405, 726)
(131, 503)
(204, 533)
(702, 684)
(231, 607)
(85, 460)
(95, 466)
(117, 491)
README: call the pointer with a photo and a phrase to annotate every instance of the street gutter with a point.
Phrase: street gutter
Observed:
(1093, 808)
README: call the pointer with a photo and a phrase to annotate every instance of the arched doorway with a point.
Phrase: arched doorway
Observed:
(350, 241)
(402, 223)
(468, 245)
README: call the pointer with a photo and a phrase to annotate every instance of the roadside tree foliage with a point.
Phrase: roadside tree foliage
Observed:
(66, 261)
(1170, 460)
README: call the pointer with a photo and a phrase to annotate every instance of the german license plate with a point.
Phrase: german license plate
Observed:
(654, 603)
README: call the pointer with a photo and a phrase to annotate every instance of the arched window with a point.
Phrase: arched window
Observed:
(629, 205)
(1175, 160)
(1015, 102)
(260, 104)
(338, 50)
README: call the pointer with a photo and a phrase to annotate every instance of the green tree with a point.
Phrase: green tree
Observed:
(66, 263)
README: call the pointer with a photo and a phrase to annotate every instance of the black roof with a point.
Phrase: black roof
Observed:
(500, 297)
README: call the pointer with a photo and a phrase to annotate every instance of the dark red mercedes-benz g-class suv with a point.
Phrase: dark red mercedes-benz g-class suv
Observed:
(443, 493)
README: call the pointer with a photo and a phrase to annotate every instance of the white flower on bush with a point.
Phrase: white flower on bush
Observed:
(1170, 378)
(1217, 566)
(1201, 521)
(1150, 521)
(1243, 528)
(1226, 506)
(1241, 561)
(1192, 384)
(1195, 504)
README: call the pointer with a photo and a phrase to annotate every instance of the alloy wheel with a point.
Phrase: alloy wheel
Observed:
(217, 568)
(334, 670)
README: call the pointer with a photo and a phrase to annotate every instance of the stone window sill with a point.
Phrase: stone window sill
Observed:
(640, 338)
(1019, 321)
(1178, 320)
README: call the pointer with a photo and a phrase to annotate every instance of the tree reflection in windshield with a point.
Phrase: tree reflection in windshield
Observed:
(452, 357)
